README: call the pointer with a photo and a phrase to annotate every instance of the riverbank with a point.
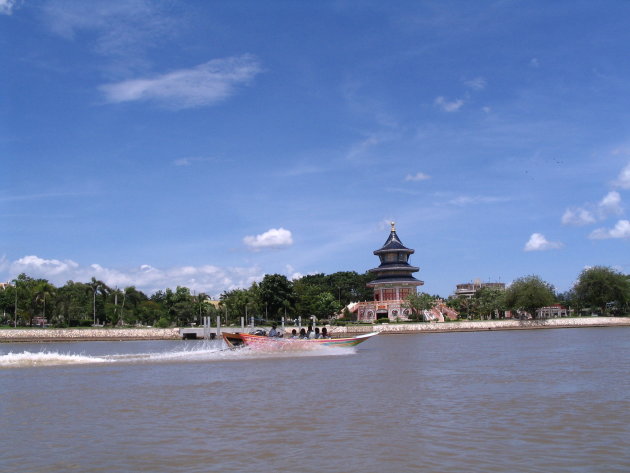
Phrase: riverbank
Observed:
(486, 325)
(87, 334)
(100, 334)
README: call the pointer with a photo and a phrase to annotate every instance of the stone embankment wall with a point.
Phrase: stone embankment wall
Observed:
(485, 325)
(78, 334)
(47, 335)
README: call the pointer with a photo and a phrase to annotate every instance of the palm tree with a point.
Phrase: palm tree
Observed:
(97, 286)
(201, 304)
(43, 289)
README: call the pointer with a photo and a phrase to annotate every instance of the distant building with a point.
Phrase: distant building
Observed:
(392, 284)
(469, 289)
(4, 285)
(213, 303)
(553, 311)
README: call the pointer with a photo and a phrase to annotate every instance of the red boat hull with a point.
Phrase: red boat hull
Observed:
(273, 343)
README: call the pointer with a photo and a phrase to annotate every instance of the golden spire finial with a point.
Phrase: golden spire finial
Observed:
(393, 224)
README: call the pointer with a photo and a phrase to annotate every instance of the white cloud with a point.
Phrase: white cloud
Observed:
(273, 238)
(449, 106)
(190, 161)
(359, 149)
(292, 274)
(478, 83)
(538, 242)
(202, 85)
(578, 216)
(419, 176)
(476, 199)
(534, 62)
(620, 230)
(623, 180)
(6, 6)
(610, 204)
(124, 29)
(204, 278)
(589, 214)
(52, 267)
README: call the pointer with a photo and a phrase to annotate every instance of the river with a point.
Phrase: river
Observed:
(514, 401)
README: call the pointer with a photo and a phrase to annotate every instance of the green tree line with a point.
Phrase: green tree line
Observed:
(599, 289)
(28, 301)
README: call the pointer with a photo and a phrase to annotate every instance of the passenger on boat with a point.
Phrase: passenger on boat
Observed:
(303, 333)
(294, 333)
(309, 331)
(325, 333)
(273, 332)
(317, 334)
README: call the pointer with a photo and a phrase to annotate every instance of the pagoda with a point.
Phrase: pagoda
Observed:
(392, 284)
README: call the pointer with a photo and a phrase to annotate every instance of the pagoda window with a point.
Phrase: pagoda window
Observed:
(404, 293)
(390, 257)
(389, 294)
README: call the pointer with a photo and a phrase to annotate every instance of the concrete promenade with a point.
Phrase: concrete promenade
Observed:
(484, 325)
(83, 334)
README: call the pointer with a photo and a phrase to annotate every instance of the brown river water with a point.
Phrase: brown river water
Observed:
(514, 401)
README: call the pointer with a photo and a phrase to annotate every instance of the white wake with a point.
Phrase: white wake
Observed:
(196, 354)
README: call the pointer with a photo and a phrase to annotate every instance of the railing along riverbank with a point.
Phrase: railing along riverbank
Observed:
(86, 334)
(99, 334)
(482, 325)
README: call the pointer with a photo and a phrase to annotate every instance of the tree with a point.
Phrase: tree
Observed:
(149, 312)
(419, 302)
(238, 303)
(604, 288)
(7, 302)
(42, 290)
(180, 306)
(349, 286)
(201, 305)
(345, 286)
(490, 301)
(25, 303)
(307, 289)
(73, 304)
(128, 311)
(529, 294)
(96, 286)
(276, 295)
(326, 305)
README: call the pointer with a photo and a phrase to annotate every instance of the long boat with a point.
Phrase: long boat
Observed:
(234, 340)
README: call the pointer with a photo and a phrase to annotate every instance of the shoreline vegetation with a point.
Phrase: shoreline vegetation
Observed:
(335, 298)
(42, 335)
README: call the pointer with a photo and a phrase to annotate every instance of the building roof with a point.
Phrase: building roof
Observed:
(395, 266)
(393, 243)
(398, 279)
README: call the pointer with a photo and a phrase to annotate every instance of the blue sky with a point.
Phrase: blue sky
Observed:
(163, 143)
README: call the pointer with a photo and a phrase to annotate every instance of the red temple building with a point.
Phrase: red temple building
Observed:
(392, 283)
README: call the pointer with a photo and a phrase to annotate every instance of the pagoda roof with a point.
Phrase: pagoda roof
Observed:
(396, 266)
(395, 279)
(393, 243)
